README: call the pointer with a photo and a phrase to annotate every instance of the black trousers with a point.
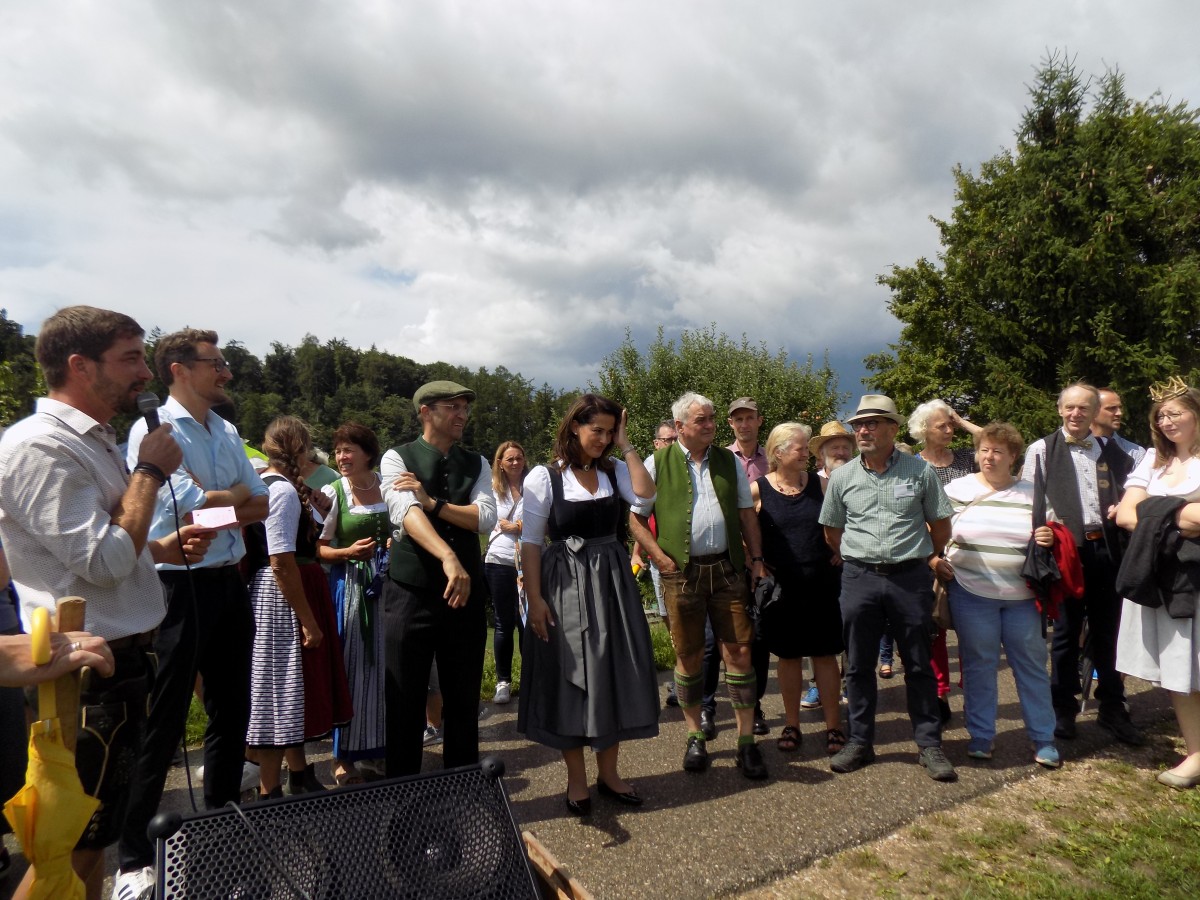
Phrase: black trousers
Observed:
(1102, 608)
(420, 627)
(210, 632)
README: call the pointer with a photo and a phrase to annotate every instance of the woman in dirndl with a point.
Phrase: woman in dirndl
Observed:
(588, 675)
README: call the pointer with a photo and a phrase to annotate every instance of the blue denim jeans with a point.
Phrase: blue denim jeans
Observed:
(984, 625)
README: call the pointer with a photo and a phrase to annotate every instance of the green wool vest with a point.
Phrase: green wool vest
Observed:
(449, 478)
(673, 507)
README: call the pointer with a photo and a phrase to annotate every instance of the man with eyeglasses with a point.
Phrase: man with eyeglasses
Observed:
(1085, 477)
(886, 519)
(440, 500)
(209, 625)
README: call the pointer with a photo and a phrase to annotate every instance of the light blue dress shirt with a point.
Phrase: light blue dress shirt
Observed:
(214, 459)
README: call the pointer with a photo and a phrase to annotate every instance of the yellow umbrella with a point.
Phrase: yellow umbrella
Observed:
(50, 812)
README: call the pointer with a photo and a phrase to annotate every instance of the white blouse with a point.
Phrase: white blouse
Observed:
(539, 495)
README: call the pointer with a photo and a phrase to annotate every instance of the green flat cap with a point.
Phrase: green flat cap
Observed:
(440, 390)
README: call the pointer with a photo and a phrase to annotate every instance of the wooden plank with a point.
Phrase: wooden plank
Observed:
(556, 881)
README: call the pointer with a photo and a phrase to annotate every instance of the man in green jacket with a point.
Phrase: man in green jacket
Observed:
(439, 498)
(706, 530)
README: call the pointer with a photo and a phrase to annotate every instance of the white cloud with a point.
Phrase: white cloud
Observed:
(515, 183)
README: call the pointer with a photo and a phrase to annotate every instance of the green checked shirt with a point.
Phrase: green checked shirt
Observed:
(884, 517)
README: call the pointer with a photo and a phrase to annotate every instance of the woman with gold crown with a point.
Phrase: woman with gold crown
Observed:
(1158, 641)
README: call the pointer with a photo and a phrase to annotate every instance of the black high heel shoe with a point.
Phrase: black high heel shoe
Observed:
(629, 798)
(580, 807)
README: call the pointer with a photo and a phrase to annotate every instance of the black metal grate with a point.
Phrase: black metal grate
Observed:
(446, 834)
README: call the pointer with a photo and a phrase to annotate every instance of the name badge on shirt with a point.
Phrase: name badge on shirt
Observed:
(904, 490)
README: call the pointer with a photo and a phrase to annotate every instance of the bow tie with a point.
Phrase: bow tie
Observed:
(1086, 443)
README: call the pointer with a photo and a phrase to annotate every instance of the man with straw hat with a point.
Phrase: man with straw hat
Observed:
(887, 518)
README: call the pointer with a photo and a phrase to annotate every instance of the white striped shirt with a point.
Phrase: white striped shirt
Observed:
(989, 538)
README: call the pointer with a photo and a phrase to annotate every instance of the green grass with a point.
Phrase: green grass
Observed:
(664, 658)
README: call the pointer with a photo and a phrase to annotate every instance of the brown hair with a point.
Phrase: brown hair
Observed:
(179, 347)
(85, 330)
(286, 444)
(1164, 449)
(1002, 433)
(361, 436)
(566, 443)
(499, 482)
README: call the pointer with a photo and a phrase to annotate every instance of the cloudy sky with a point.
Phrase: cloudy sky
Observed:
(516, 183)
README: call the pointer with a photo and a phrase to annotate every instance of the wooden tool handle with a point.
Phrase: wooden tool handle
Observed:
(70, 617)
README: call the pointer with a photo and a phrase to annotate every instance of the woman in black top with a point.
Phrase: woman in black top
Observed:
(806, 619)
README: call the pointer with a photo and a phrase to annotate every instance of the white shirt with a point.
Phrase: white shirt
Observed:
(539, 496)
(61, 478)
(502, 547)
(1085, 460)
(708, 523)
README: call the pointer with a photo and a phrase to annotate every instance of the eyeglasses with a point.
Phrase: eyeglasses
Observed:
(867, 424)
(453, 408)
(667, 440)
(1169, 416)
(217, 363)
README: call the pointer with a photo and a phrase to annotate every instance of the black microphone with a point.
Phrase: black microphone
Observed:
(147, 405)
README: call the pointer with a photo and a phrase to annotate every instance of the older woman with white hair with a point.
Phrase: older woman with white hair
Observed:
(805, 620)
(932, 424)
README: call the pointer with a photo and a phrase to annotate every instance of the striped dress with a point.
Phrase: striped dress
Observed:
(989, 539)
(277, 673)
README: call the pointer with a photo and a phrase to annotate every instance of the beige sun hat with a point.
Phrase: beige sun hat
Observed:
(876, 406)
(829, 430)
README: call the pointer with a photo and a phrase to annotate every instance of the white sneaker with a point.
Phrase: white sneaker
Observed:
(136, 885)
(432, 736)
(503, 692)
(249, 775)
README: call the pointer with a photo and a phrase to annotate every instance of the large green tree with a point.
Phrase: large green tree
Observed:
(20, 378)
(1076, 255)
(712, 364)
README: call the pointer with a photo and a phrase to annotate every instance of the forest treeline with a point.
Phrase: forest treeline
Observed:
(326, 383)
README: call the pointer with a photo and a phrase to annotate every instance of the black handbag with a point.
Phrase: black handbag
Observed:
(766, 594)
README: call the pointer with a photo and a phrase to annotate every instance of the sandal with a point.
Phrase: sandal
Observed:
(834, 741)
(346, 773)
(789, 739)
(885, 671)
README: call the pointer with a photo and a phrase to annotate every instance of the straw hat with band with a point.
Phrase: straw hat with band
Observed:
(876, 406)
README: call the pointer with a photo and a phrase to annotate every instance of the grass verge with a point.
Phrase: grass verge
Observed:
(1100, 827)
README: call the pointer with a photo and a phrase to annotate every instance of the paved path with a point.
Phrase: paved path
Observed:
(718, 833)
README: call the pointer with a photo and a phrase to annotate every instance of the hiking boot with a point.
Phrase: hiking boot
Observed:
(935, 762)
(851, 758)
